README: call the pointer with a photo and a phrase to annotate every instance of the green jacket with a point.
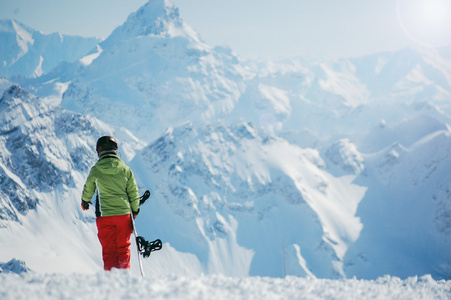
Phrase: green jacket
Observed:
(115, 185)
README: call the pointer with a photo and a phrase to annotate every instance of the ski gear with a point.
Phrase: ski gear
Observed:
(137, 245)
(114, 233)
(85, 205)
(106, 143)
(145, 247)
(115, 185)
(142, 200)
(117, 196)
(144, 197)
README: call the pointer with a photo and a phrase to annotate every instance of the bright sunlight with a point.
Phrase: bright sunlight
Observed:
(427, 22)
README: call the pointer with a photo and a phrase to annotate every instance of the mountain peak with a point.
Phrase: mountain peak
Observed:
(30, 53)
(17, 106)
(15, 91)
(14, 266)
(153, 18)
(156, 17)
(18, 39)
(14, 26)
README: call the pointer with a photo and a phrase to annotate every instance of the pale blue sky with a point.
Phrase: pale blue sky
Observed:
(252, 28)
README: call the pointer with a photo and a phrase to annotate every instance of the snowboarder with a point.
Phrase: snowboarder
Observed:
(117, 191)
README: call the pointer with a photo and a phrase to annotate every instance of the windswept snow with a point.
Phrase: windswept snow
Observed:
(122, 285)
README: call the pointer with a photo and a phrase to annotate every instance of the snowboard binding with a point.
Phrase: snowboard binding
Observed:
(145, 247)
(144, 197)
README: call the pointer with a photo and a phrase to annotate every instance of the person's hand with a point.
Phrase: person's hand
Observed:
(135, 214)
(85, 205)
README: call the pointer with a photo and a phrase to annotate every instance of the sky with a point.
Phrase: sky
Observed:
(268, 29)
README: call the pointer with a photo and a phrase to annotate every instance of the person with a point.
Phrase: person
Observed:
(116, 190)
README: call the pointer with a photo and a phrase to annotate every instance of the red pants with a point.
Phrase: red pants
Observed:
(114, 236)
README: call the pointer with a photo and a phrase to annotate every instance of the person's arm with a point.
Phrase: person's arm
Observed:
(88, 190)
(133, 194)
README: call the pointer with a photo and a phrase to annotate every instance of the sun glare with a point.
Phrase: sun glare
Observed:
(427, 22)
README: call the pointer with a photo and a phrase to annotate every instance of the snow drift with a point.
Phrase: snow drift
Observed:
(122, 285)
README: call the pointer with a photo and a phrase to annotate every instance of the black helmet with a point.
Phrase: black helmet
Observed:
(106, 143)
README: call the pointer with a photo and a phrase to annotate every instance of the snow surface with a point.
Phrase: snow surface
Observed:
(122, 285)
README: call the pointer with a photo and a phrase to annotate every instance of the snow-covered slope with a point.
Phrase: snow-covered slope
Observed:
(153, 73)
(42, 165)
(319, 169)
(407, 207)
(29, 53)
(46, 153)
(249, 200)
(310, 102)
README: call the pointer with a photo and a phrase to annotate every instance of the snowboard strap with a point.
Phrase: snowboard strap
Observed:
(145, 247)
(144, 197)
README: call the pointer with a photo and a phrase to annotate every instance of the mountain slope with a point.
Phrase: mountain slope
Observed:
(46, 153)
(154, 70)
(406, 209)
(241, 201)
(325, 100)
(29, 53)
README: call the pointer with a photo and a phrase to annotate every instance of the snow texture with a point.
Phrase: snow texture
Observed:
(122, 285)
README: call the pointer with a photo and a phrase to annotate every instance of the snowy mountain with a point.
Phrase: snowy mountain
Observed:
(14, 266)
(165, 74)
(407, 206)
(229, 185)
(310, 102)
(317, 169)
(30, 53)
(45, 155)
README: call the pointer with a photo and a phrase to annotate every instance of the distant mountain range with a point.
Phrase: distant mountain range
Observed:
(30, 53)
